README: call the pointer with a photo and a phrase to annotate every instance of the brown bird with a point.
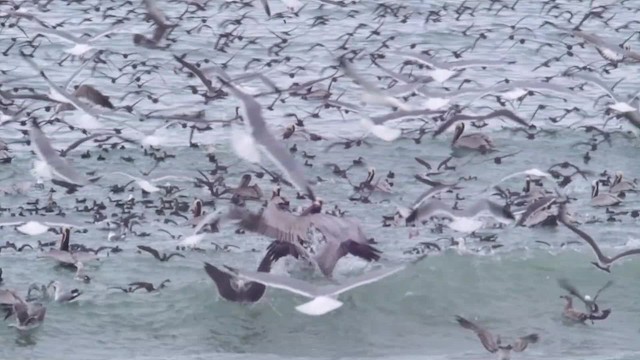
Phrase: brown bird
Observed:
(493, 345)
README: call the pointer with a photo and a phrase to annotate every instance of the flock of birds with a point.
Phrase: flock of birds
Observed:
(393, 90)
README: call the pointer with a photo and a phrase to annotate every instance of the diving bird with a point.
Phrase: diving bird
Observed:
(494, 345)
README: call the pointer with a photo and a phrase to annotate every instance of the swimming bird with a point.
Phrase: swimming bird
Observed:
(591, 305)
(65, 256)
(233, 288)
(599, 199)
(494, 345)
(604, 262)
(324, 297)
(620, 184)
(80, 46)
(343, 235)
(63, 296)
(475, 141)
(157, 255)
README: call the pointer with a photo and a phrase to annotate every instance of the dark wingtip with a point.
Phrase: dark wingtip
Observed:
(412, 217)
(363, 251)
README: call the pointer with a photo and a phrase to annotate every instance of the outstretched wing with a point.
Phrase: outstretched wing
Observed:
(486, 338)
(150, 250)
(524, 341)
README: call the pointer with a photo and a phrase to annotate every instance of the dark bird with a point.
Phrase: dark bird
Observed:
(156, 254)
(234, 289)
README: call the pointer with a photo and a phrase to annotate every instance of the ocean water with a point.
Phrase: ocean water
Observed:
(511, 290)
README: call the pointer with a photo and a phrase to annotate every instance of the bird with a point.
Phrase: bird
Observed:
(157, 255)
(620, 184)
(573, 315)
(235, 289)
(149, 287)
(62, 296)
(604, 262)
(494, 345)
(599, 199)
(28, 316)
(324, 297)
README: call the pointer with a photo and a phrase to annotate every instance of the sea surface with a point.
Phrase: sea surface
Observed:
(511, 290)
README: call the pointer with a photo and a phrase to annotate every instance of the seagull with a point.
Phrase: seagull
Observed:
(620, 184)
(495, 345)
(62, 296)
(588, 301)
(604, 262)
(235, 289)
(438, 207)
(260, 134)
(58, 165)
(324, 297)
(599, 199)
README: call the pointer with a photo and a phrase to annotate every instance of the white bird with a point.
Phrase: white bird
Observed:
(64, 296)
(324, 297)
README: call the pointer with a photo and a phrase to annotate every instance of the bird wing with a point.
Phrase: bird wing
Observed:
(46, 152)
(364, 279)
(273, 148)
(150, 250)
(293, 285)
(522, 342)
(626, 253)
(604, 287)
(223, 281)
(562, 217)
(265, 5)
(486, 338)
